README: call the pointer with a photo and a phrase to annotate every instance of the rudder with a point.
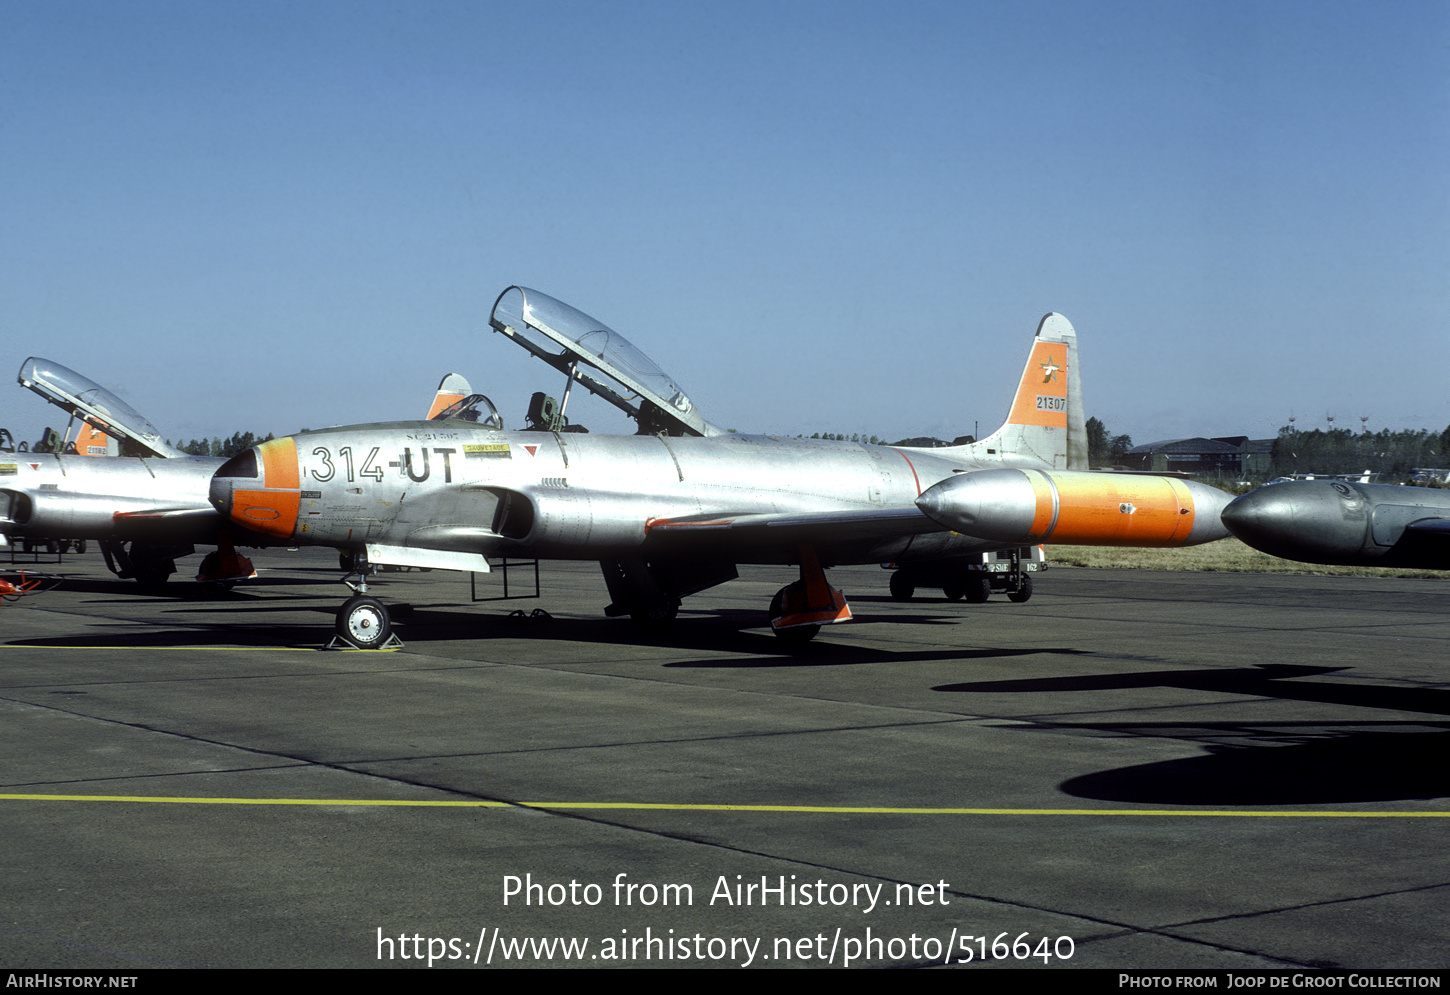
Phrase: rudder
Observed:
(451, 389)
(1045, 425)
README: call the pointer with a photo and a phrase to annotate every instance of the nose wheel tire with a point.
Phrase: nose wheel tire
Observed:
(363, 622)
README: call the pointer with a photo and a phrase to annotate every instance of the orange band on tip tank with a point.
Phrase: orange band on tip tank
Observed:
(1046, 511)
(1121, 510)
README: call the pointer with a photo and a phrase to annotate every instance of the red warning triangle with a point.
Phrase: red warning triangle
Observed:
(533, 450)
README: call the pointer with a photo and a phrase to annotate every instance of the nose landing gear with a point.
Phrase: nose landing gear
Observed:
(363, 622)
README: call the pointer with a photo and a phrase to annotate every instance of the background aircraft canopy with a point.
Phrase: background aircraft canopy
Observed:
(86, 399)
(543, 325)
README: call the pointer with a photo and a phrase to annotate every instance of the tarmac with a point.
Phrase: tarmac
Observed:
(1132, 769)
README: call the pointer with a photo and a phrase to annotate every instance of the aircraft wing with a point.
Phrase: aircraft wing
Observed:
(1426, 541)
(168, 524)
(168, 514)
(776, 529)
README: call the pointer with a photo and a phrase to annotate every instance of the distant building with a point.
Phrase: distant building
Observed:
(1231, 456)
(922, 442)
(1258, 457)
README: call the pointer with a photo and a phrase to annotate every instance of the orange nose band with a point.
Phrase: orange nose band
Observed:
(272, 511)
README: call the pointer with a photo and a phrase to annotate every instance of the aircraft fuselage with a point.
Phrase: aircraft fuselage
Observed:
(68, 496)
(581, 496)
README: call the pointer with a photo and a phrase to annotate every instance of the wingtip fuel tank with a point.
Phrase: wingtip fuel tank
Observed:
(1077, 508)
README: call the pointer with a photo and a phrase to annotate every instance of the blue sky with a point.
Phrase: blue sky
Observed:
(816, 216)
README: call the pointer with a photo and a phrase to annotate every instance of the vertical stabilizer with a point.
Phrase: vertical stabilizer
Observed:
(451, 389)
(91, 441)
(1045, 426)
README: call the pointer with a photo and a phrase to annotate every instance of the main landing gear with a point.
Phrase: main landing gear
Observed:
(226, 566)
(649, 591)
(798, 610)
(363, 622)
(151, 564)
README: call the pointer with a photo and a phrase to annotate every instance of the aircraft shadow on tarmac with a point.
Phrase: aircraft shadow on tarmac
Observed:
(1286, 763)
(222, 636)
(1311, 763)
(129, 592)
(1269, 680)
(245, 623)
(717, 631)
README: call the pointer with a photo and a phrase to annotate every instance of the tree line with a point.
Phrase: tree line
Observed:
(1104, 448)
(238, 443)
(1391, 454)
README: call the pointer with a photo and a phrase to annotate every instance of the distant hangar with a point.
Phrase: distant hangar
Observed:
(1236, 455)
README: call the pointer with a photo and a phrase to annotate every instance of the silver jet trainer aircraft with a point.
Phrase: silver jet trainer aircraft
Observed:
(147, 506)
(1346, 523)
(152, 496)
(671, 510)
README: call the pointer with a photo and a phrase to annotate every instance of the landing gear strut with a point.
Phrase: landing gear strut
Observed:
(798, 610)
(635, 590)
(362, 622)
(151, 565)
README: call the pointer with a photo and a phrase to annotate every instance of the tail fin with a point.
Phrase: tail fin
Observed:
(451, 389)
(91, 441)
(1045, 426)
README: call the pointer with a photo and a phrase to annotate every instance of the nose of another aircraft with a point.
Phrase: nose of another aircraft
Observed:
(1297, 520)
(1259, 512)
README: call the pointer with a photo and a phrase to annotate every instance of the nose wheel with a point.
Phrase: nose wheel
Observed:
(363, 623)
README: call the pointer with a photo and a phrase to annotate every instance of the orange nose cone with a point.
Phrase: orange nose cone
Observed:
(272, 510)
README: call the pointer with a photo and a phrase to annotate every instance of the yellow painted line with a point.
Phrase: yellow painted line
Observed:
(194, 649)
(256, 801)
(693, 807)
